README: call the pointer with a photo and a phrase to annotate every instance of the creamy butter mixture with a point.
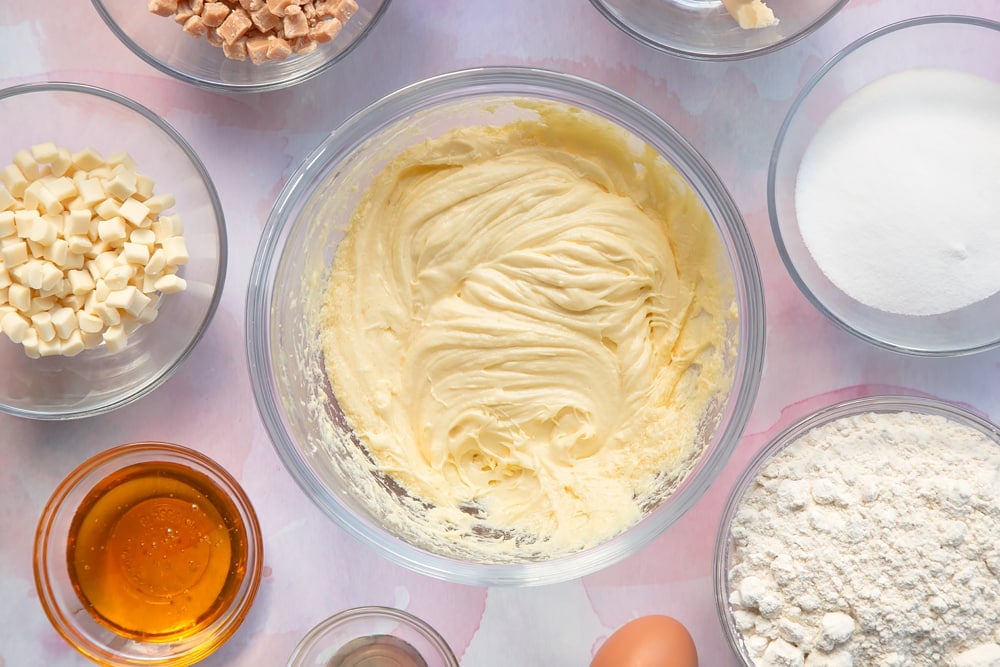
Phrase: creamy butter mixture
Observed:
(526, 328)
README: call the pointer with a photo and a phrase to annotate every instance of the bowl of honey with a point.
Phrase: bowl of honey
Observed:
(148, 553)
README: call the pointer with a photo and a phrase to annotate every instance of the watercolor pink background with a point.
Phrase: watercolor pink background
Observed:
(251, 143)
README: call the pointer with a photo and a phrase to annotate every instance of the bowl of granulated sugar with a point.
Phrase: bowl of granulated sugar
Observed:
(866, 534)
(882, 187)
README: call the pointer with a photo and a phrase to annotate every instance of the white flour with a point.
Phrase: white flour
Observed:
(897, 194)
(873, 541)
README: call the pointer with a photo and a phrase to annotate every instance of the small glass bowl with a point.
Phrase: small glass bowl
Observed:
(66, 609)
(723, 554)
(704, 29)
(161, 42)
(373, 631)
(287, 369)
(95, 381)
(956, 42)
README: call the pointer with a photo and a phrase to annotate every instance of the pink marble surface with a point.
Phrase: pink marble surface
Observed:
(251, 143)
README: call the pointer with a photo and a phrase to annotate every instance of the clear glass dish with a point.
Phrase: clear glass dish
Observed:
(704, 29)
(372, 636)
(961, 43)
(65, 608)
(161, 42)
(723, 554)
(296, 251)
(95, 381)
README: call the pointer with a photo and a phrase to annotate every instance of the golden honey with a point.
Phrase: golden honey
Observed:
(157, 552)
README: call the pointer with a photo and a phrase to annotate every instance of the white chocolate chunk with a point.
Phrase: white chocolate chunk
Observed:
(143, 187)
(14, 254)
(88, 322)
(159, 203)
(45, 153)
(63, 188)
(167, 226)
(115, 338)
(134, 211)
(7, 200)
(112, 229)
(87, 159)
(136, 253)
(27, 164)
(64, 322)
(62, 164)
(130, 299)
(176, 250)
(121, 186)
(107, 209)
(91, 191)
(49, 348)
(79, 245)
(7, 227)
(57, 253)
(15, 326)
(44, 230)
(73, 344)
(30, 344)
(13, 179)
(81, 282)
(42, 323)
(19, 296)
(170, 284)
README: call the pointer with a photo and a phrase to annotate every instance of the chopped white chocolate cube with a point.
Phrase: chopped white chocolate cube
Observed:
(107, 313)
(176, 250)
(76, 223)
(7, 200)
(73, 261)
(19, 296)
(44, 230)
(87, 159)
(134, 211)
(13, 179)
(130, 299)
(41, 304)
(115, 338)
(101, 290)
(27, 164)
(143, 187)
(170, 283)
(157, 262)
(136, 253)
(73, 344)
(14, 254)
(79, 245)
(58, 252)
(7, 227)
(45, 153)
(107, 209)
(118, 276)
(4, 276)
(121, 158)
(91, 191)
(49, 348)
(63, 188)
(62, 164)
(144, 236)
(64, 322)
(88, 322)
(159, 203)
(42, 323)
(52, 276)
(121, 186)
(166, 226)
(81, 282)
(112, 229)
(15, 326)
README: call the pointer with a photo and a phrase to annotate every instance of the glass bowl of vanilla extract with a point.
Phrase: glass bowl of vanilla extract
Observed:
(148, 553)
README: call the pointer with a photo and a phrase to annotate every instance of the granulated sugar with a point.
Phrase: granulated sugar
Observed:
(898, 192)
(873, 540)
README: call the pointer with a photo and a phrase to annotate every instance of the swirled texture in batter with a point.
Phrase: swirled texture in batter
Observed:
(525, 326)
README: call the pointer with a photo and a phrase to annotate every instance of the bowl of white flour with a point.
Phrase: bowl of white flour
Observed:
(866, 534)
(882, 187)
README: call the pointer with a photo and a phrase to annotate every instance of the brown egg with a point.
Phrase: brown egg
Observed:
(648, 641)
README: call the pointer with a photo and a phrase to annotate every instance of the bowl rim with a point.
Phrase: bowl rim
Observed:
(220, 224)
(402, 616)
(217, 85)
(602, 7)
(105, 463)
(772, 205)
(504, 81)
(788, 436)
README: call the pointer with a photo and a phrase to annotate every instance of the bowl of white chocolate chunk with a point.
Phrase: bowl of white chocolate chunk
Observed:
(866, 534)
(504, 326)
(241, 45)
(112, 250)
(718, 29)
